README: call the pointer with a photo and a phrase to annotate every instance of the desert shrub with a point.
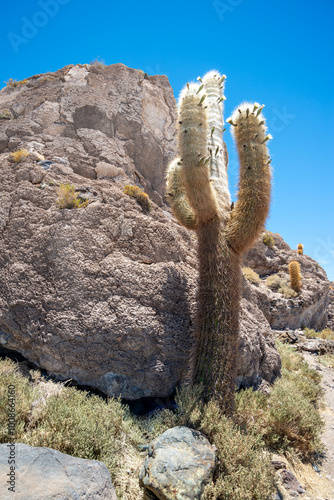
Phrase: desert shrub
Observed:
(274, 282)
(98, 64)
(6, 114)
(287, 291)
(268, 240)
(76, 423)
(251, 275)
(19, 155)
(137, 193)
(243, 469)
(326, 334)
(15, 83)
(288, 420)
(69, 198)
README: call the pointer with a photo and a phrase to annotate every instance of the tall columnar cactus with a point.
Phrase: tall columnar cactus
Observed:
(198, 188)
(295, 276)
(300, 249)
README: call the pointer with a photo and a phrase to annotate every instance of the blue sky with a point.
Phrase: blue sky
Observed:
(279, 53)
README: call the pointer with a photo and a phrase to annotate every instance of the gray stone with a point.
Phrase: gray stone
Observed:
(179, 464)
(46, 474)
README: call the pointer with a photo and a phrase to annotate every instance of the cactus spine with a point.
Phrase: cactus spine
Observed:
(295, 276)
(198, 188)
(300, 249)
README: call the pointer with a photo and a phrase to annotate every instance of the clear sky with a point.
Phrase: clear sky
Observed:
(276, 52)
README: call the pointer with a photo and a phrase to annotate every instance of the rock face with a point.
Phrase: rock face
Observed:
(116, 116)
(179, 464)
(47, 474)
(105, 294)
(309, 308)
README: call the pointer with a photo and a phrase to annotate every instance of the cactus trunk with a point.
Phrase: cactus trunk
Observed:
(215, 349)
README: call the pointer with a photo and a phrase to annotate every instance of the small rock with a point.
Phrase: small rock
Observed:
(46, 164)
(291, 483)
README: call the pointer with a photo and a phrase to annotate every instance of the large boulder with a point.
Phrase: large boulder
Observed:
(180, 462)
(47, 474)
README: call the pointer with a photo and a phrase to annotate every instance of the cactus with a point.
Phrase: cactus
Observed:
(295, 276)
(198, 189)
(300, 249)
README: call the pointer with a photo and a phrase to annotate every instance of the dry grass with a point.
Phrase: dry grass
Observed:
(69, 198)
(251, 275)
(19, 155)
(326, 334)
(15, 83)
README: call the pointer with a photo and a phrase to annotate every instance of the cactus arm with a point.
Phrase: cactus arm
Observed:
(213, 84)
(251, 210)
(193, 152)
(177, 196)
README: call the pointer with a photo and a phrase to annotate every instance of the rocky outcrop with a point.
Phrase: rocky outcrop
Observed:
(115, 115)
(180, 462)
(47, 474)
(307, 309)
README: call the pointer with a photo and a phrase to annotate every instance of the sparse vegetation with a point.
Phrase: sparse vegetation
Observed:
(87, 426)
(300, 249)
(251, 275)
(274, 282)
(288, 420)
(19, 155)
(141, 197)
(15, 83)
(326, 334)
(98, 64)
(6, 114)
(287, 291)
(268, 240)
(69, 198)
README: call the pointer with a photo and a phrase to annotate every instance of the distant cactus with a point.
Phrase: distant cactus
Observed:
(300, 249)
(197, 186)
(295, 276)
(141, 197)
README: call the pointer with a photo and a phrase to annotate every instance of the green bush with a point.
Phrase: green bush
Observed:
(268, 240)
